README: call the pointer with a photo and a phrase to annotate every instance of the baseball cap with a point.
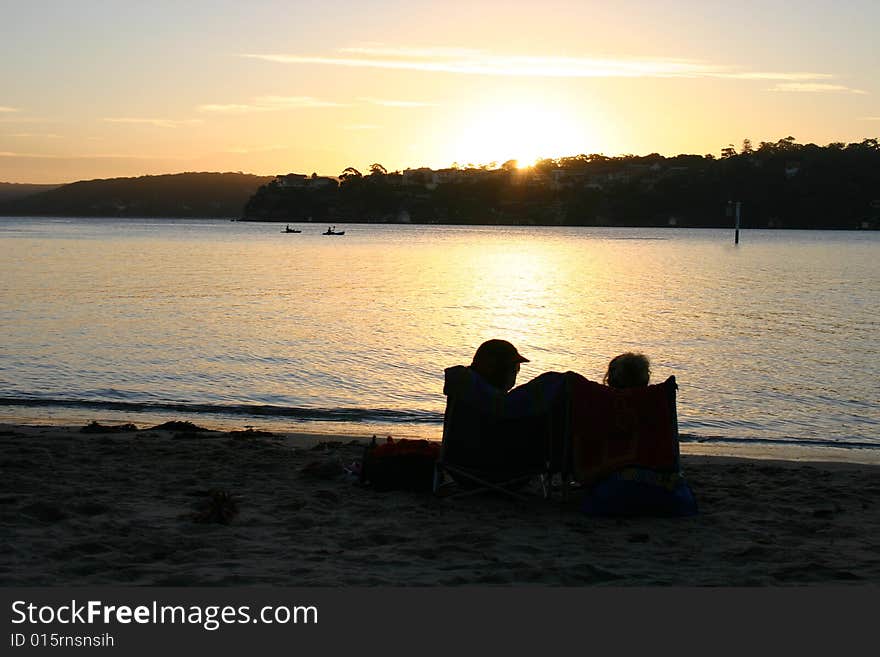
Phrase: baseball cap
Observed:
(498, 351)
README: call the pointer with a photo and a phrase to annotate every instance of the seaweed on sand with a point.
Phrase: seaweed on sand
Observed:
(177, 425)
(95, 427)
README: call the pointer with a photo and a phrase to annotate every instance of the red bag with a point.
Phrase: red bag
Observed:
(402, 464)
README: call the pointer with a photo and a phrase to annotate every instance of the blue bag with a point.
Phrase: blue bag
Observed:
(619, 495)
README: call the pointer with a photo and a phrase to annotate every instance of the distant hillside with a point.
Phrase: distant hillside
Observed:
(173, 195)
(11, 191)
(780, 184)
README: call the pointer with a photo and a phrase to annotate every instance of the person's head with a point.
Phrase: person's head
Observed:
(628, 370)
(497, 361)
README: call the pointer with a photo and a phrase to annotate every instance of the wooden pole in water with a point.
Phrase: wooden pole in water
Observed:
(736, 231)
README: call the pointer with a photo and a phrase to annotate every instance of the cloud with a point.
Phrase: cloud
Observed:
(28, 135)
(431, 51)
(270, 104)
(41, 156)
(397, 103)
(24, 119)
(815, 88)
(765, 75)
(87, 156)
(158, 123)
(361, 126)
(870, 118)
(287, 102)
(507, 66)
(228, 109)
(470, 61)
(3, 108)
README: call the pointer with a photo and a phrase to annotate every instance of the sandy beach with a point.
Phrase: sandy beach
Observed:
(181, 508)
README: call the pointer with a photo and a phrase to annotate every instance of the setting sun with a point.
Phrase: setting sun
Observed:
(522, 131)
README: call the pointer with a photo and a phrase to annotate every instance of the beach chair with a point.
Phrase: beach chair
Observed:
(623, 448)
(482, 451)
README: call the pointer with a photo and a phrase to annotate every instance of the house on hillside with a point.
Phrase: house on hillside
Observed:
(423, 176)
(321, 182)
(448, 176)
(301, 181)
(560, 178)
(292, 180)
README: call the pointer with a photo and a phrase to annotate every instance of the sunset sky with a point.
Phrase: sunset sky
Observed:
(96, 89)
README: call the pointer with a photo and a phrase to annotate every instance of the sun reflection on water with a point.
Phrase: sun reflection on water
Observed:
(229, 313)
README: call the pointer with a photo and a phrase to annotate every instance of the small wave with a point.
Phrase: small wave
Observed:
(253, 410)
(845, 444)
(369, 416)
(636, 239)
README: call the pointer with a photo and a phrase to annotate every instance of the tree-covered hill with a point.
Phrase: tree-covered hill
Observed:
(172, 195)
(780, 184)
(11, 191)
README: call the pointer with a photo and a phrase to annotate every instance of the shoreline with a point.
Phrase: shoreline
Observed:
(141, 508)
(431, 224)
(317, 431)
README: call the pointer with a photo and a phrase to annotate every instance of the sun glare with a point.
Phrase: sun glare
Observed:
(525, 132)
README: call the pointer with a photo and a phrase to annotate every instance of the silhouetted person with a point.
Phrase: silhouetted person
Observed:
(628, 370)
(498, 362)
(649, 481)
(488, 381)
(509, 426)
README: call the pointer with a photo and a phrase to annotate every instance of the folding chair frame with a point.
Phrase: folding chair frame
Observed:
(484, 485)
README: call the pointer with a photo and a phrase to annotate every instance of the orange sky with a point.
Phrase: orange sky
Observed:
(123, 89)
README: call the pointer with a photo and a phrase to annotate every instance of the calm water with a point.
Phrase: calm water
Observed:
(212, 320)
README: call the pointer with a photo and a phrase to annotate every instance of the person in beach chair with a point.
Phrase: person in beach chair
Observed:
(624, 441)
(628, 370)
(495, 438)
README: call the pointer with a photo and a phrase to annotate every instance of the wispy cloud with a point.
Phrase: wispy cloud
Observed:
(33, 135)
(12, 118)
(32, 155)
(816, 88)
(270, 104)
(767, 75)
(3, 108)
(227, 109)
(508, 66)
(42, 156)
(470, 61)
(870, 118)
(381, 50)
(158, 123)
(83, 156)
(397, 103)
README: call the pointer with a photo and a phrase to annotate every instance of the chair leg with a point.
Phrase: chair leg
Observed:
(438, 477)
(546, 485)
(487, 485)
